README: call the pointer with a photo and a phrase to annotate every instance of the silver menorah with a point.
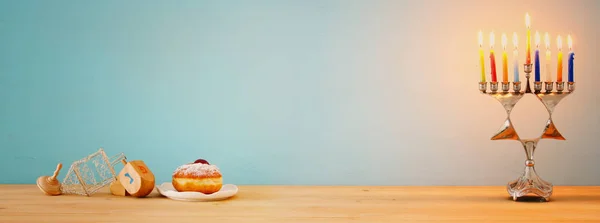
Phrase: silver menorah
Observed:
(529, 182)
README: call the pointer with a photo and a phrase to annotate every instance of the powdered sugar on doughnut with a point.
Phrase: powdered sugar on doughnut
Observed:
(197, 170)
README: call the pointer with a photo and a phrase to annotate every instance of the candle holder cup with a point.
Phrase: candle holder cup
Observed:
(483, 87)
(571, 86)
(505, 86)
(529, 182)
(517, 87)
(494, 87)
(560, 86)
(537, 87)
(548, 86)
(527, 68)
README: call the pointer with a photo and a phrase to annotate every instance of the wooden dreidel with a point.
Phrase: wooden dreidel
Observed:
(50, 185)
(116, 188)
(136, 178)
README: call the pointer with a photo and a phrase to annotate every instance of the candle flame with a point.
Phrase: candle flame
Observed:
(570, 42)
(492, 40)
(504, 41)
(537, 39)
(527, 20)
(559, 42)
(480, 36)
(515, 39)
(547, 40)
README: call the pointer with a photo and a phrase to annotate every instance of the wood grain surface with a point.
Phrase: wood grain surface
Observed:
(25, 203)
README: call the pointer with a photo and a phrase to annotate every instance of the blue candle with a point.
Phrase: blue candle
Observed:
(537, 56)
(571, 58)
(516, 71)
(516, 65)
(537, 65)
(516, 57)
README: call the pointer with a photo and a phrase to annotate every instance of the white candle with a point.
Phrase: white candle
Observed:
(548, 58)
(516, 58)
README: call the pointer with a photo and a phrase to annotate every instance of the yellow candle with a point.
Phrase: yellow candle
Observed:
(528, 52)
(504, 60)
(548, 58)
(481, 59)
(559, 65)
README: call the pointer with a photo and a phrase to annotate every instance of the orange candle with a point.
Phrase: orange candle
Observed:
(504, 60)
(559, 67)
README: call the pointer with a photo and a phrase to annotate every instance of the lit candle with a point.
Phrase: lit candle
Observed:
(548, 58)
(571, 57)
(516, 56)
(528, 52)
(504, 62)
(492, 58)
(537, 56)
(481, 60)
(559, 67)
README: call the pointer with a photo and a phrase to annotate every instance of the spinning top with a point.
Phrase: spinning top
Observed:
(116, 188)
(49, 185)
(136, 178)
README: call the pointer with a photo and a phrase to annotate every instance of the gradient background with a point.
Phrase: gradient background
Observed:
(287, 92)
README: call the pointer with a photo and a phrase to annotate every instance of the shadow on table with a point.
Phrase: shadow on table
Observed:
(576, 198)
(536, 199)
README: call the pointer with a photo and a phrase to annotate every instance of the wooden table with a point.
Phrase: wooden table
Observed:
(25, 203)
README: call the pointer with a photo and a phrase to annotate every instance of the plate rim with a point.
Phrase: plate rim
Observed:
(203, 197)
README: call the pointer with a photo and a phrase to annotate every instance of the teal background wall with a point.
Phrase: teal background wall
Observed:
(285, 92)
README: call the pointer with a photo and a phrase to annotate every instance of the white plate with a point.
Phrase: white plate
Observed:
(167, 190)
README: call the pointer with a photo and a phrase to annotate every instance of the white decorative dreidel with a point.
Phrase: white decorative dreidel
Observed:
(89, 174)
(50, 185)
(136, 178)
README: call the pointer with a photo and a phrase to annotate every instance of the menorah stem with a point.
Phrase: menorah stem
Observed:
(529, 149)
(527, 87)
(527, 68)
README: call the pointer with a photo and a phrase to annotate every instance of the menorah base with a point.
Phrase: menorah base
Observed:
(530, 183)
